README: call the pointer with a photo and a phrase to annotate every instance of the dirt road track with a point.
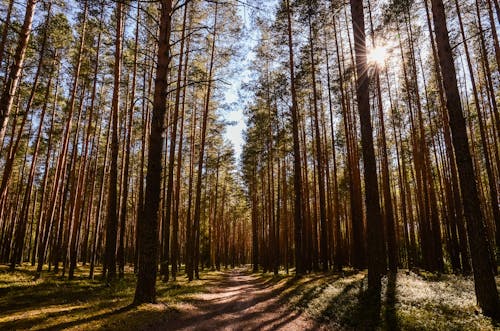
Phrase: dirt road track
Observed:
(238, 301)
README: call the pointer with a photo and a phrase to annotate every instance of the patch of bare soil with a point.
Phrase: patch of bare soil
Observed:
(239, 301)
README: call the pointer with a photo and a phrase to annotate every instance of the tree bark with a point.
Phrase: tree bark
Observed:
(484, 280)
(297, 175)
(109, 270)
(148, 224)
(201, 155)
(376, 249)
(10, 87)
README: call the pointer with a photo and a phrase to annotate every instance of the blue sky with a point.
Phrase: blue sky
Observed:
(234, 133)
(243, 72)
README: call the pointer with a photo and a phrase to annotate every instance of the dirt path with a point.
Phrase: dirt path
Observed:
(238, 302)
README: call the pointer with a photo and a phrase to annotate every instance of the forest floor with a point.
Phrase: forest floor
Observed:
(238, 300)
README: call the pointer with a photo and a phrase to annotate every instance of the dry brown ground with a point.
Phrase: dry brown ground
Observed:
(238, 301)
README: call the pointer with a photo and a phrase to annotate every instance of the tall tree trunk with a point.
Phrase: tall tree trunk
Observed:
(482, 130)
(177, 201)
(297, 175)
(189, 223)
(201, 155)
(319, 154)
(333, 195)
(173, 142)
(10, 87)
(125, 184)
(457, 205)
(109, 270)
(5, 33)
(390, 223)
(21, 227)
(484, 280)
(98, 217)
(376, 249)
(146, 129)
(61, 167)
(148, 224)
(357, 233)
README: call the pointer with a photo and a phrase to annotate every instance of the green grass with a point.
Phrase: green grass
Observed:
(407, 301)
(54, 303)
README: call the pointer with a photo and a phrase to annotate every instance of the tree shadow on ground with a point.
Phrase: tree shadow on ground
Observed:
(255, 304)
(77, 322)
(54, 303)
(21, 297)
(357, 308)
(391, 318)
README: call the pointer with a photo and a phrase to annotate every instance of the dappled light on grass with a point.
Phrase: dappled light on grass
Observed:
(52, 302)
(445, 302)
(42, 311)
(408, 301)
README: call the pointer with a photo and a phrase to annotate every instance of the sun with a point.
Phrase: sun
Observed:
(377, 56)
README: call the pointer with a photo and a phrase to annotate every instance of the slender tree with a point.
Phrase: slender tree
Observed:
(10, 87)
(297, 172)
(148, 224)
(482, 265)
(376, 250)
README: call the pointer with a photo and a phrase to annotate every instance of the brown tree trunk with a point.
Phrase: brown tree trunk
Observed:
(5, 33)
(201, 155)
(335, 242)
(376, 249)
(484, 139)
(98, 217)
(148, 224)
(319, 154)
(62, 164)
(126, 166)
(45, 226)
(484, 280)
(457, 214)
(21, 226)
(390, 223)
(173, 142)
(357, 236)
(297, 176)
(177, 201)
(10, 87)
(109, 270)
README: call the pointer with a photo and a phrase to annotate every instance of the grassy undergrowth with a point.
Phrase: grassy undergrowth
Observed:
(408, 301)
(55, 303)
